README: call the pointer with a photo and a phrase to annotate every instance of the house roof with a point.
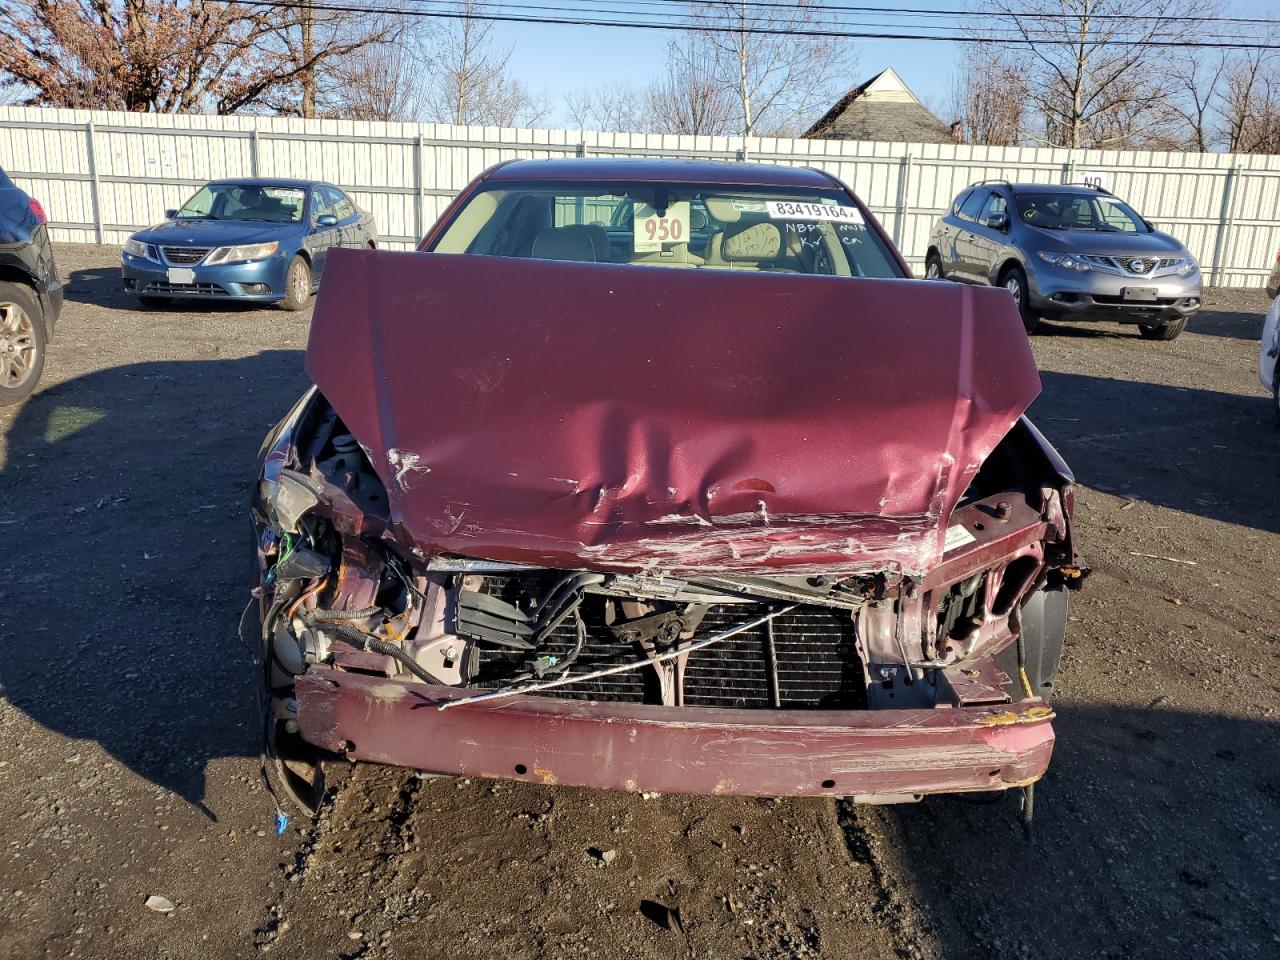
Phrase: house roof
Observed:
(883, 108)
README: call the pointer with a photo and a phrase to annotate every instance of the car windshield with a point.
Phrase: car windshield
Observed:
(693, 225)
(245, 201)
(1078, 211)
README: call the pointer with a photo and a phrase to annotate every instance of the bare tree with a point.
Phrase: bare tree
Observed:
(379, 81)
(689, 97)
(1192, 105)
(1249, 109)
(471, 80)
(1090, 63)
(159, 55)
(777, 78)
(615, 106)
(989, 97)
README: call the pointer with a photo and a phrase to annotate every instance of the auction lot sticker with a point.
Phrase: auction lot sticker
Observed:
(652, 231)
(798, 210)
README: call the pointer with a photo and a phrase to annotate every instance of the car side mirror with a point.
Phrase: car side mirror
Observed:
(326, 220)
(170, 214)
(998, 221)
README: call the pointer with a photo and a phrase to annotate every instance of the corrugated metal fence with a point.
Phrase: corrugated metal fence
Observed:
(103, 175)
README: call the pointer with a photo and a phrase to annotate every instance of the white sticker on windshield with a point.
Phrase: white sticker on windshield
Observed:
(797, 210)
(957, 536)
(651, 231)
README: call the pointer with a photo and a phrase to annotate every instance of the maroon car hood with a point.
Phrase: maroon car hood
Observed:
(620, 418)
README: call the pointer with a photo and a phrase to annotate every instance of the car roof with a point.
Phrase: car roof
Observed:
(658, 169)
(271, 182)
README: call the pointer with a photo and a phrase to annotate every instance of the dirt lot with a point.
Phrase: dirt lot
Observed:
(129, 764)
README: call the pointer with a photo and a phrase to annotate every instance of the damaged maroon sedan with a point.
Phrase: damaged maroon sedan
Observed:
(769, 521)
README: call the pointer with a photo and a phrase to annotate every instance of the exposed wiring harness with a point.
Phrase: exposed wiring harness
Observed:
(339, 623)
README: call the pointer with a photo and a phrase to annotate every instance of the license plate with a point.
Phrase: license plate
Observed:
(181, 275)
(1139, 293)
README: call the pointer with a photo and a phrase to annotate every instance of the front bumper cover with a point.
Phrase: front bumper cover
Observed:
(1067, 294)
(871, 755)
(218, 282)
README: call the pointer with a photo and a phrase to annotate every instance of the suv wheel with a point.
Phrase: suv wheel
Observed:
(933, 267)
(1015, 281)
(1163, 331)
(21, 342)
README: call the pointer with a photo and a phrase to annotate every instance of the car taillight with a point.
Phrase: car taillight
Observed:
(38, 210)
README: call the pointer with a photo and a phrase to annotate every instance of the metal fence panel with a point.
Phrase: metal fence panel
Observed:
(103, 175)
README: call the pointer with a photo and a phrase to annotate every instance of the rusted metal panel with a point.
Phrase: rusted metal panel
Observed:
(721, 422)
(869, 754)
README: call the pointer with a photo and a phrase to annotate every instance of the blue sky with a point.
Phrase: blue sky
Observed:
(559, 59)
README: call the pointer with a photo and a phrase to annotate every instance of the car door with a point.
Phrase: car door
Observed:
(945, 237)
(965, 264)
(320, 236)
(350, 222)
(987, 243)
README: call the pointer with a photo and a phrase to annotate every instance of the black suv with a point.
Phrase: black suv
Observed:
(30, 291)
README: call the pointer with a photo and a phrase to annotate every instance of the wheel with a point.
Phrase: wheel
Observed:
(21, 342)
(933, 267)
(1163, 331)
(153, 302)
(1015, 281)
(1044, 629)
(297, 285)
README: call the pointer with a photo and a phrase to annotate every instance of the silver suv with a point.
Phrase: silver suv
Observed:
(1067, 253)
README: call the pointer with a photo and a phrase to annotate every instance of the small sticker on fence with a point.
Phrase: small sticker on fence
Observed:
(799, 210)
(651, 231)
(957, 536)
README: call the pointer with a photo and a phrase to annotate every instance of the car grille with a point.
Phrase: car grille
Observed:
(1124, 265)
(185, 255)
(816, 664)
(205, 289)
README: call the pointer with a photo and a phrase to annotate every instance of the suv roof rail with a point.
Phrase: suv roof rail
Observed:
(1085, 183)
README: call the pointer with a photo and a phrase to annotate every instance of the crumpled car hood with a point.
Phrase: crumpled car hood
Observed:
(592, 416)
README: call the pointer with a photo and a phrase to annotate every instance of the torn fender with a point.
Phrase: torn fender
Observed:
(606, 417)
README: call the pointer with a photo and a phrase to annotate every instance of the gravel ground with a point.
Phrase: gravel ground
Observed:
(131, 760)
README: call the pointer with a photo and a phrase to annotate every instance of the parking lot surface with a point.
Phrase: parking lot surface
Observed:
(130, 728)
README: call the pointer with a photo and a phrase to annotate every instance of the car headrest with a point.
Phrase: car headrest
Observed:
(751, 242)
(566, 243)
(724, 210)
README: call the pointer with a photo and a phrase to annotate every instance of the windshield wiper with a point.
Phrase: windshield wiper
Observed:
(196, 216)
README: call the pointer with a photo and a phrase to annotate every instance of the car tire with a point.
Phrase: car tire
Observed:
(1275, 392)
(152, 303)
(1014, 280)
(297, 285)
(22, 342)
(933, 267)
(1163, 331)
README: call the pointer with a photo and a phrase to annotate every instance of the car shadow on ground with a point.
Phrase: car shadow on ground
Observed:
(1199, 451)
(123, 498)
(1235, 325)
(1084, 331)
(101, 287)
(1154, 830)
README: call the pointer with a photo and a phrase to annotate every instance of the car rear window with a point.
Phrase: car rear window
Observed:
(696, 225)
